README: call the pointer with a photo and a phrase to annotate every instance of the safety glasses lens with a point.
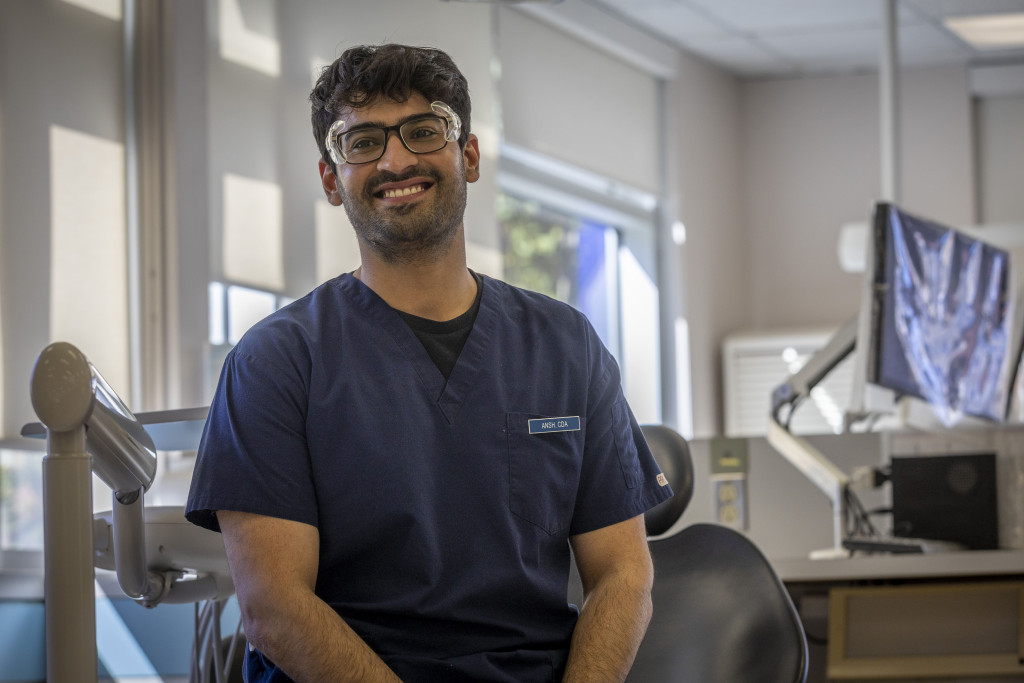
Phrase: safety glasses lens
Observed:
(420, 136)
(425, 135)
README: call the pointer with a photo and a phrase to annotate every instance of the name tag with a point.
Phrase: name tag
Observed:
(554, 424)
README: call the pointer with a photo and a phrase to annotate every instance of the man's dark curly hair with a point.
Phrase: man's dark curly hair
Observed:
(368, 72)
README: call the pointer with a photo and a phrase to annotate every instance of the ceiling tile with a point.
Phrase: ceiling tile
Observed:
(937, 9)
(928, 44)
(828, 50)
(627, 6)
(790, 37)
(676, 22)
(776, 15)
(740, 56)
(860, 49)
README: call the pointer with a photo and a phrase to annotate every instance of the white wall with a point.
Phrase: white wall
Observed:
(1000, 128)
(811, 163)
(715, 281)
(788, 515)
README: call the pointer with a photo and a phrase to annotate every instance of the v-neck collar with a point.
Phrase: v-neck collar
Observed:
(448, 396)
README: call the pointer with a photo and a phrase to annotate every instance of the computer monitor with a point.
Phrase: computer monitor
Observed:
(934, 324)
(935, 321)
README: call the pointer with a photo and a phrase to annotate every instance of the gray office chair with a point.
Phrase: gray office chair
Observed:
(721, 614)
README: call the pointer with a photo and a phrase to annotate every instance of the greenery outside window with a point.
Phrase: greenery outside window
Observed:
(566, 257)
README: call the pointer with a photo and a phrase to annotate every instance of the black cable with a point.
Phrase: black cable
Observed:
(859, 522)
(793, 405)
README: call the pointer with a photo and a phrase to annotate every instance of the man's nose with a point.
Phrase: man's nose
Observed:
(396, 157)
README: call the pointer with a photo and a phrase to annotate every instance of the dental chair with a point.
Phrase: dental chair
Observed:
(156, 556)
(721, 614)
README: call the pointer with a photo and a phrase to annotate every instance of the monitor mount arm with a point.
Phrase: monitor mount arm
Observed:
(811, 462)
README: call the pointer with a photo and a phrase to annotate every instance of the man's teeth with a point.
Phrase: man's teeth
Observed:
(404, 192)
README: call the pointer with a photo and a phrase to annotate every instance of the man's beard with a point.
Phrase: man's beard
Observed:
(409, 233)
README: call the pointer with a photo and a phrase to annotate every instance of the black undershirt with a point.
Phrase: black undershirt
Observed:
(444, 340)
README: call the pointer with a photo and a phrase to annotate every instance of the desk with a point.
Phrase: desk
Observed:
(921, 600)
(973, 564)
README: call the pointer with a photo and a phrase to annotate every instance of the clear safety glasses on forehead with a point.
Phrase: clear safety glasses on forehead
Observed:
(420, 135)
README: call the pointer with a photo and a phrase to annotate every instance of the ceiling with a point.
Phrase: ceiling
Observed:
(785, 38)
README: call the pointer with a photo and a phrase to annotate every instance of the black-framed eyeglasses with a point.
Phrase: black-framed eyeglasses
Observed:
(420, 135)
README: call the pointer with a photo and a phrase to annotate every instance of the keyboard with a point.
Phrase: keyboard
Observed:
(898, 545)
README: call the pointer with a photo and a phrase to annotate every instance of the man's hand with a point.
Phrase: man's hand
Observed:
(615, 566)
(274, 566)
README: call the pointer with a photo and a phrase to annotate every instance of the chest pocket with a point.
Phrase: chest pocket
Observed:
(544, 472)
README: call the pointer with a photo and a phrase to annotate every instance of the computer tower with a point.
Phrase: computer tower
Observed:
(946, 498)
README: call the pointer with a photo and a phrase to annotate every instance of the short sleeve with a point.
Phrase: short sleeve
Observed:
(619, 478)
(253, 455)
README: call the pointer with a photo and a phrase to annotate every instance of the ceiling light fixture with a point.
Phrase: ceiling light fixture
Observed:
(989, 32)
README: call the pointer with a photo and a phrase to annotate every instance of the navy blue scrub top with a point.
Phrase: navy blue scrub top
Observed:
(443, 508)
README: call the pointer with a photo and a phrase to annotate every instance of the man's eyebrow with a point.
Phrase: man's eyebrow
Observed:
(382, 124)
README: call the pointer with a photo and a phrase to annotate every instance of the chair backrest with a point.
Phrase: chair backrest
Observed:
(672, 454)
(721, 614)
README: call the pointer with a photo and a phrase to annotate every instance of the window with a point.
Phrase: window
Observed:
(65, 257)
(233, 309)
(567, 257)
(21, 500)
(587, 241)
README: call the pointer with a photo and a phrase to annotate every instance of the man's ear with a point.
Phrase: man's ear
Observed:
(330, 182)
(471, 159)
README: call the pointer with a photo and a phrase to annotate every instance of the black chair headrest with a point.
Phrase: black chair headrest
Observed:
(673, 456)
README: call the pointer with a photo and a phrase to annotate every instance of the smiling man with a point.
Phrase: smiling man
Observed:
(401, 460)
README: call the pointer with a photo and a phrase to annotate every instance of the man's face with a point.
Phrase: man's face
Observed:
(405, 207)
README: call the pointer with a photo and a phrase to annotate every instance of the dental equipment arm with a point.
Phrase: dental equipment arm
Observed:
(811, 462)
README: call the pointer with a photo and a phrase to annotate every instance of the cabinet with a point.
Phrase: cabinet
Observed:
(948, 629)
(945, 616)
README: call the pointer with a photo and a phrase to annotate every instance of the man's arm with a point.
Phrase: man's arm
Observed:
(615, 566)
(274, 566)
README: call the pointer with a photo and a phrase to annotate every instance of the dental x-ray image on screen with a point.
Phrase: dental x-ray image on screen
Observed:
(940, 329)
